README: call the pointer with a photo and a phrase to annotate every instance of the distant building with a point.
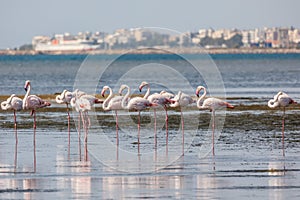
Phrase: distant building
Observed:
(274, 37)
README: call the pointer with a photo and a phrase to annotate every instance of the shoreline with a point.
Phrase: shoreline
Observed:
(159, 51)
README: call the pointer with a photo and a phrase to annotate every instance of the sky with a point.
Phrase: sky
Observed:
(23, 19)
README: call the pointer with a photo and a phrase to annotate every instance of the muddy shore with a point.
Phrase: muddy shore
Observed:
(160, 51)
(248, 114)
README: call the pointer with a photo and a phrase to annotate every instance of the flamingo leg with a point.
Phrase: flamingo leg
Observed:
(85, 125)
(139, 127)
(79, 116)
(89, 125)
(16, 155)
(155, 133)
(83, 120)
(182, 128)
(34, 150)
(34, 119)
(167, 122)
(16, 133)
(79, 141)
(85, 152)
(283, 122)
(213, 133)
(117, 128)
(68, 120)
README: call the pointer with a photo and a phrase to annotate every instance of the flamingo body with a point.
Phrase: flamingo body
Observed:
(64, 97)
(32, 102)
(12, 103)
(111, 102)
(93, 100)
(182, 99)
(167, 94)
(281, 99)
(210, 103)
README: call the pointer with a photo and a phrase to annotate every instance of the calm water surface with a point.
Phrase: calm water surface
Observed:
(243, 75)
(248, 162)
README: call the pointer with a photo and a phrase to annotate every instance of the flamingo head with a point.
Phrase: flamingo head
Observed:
(143, 84)
(122, 88)
(104, 90)
(27, 83)
(199, 88)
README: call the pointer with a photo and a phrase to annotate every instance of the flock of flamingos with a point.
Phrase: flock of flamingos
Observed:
(83, 102)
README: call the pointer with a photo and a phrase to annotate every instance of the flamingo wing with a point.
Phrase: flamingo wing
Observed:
(139, 103)
(34, 102)
(284, 100)
(115, 103)
(16, 103)
(214, 104)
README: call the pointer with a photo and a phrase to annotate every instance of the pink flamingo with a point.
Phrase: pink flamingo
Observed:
(211, 104)
(160, 100)
(82, 104)
(281, 99)
(65, 98)
(112, 103)
(167, 94)
(137, 104)
(182, 100)
(33, 102)
(13, 103)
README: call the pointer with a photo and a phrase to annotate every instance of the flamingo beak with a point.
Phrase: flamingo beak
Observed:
(25, 88)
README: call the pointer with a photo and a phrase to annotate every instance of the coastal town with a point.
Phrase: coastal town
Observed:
(275, 39)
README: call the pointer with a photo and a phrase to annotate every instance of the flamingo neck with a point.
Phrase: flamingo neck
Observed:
(60, 98)
(147, 93)
(10, 98)
(177, 99)
(201, 97)
(273, 103)
(26, 96)
(105, 103)
(6, 104)
(123, 103)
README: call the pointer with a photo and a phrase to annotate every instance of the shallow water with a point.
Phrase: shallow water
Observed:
(248, 161)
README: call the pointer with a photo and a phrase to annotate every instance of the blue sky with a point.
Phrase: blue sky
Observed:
(21, 20)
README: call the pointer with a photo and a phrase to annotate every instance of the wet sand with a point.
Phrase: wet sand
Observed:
(248, 163)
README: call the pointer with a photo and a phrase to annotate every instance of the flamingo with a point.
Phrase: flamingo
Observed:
(33, 102)
(182, 100)
(211, 104)
(281, 99)
(13, 103)
(137, 104)
(112, 103)
(160, 100)
(65, 98)
(167, 94)
(82, 104)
